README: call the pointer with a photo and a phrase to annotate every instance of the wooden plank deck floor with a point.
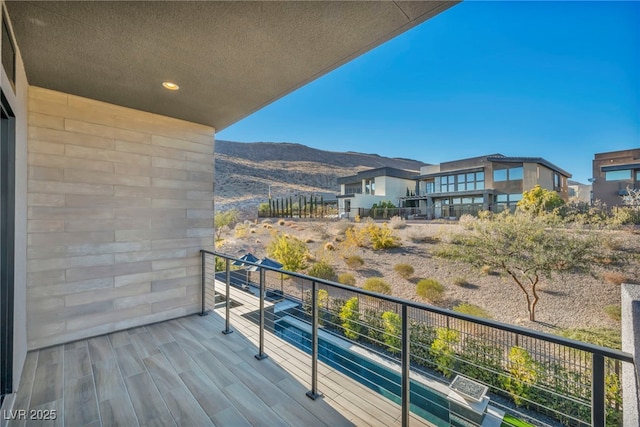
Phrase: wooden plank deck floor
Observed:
(185, 372)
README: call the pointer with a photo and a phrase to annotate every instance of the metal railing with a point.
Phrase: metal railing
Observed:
(538, 377)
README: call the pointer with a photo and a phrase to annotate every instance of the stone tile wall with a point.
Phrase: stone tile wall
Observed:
(120, 202)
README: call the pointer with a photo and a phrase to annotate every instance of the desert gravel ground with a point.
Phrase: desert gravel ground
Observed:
(566, 301)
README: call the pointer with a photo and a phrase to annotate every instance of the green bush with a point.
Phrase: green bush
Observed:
(523, 376)
(322, 270)
(291, 252)
(350, 317)
(347, 279)
(376, 284)
(481, 361)
(404, 270)
(443, 351)
(375, 326)
(472, 310)
(354, 261)
(392, 331)
(430, 289)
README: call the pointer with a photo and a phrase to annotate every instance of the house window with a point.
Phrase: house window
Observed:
(461, 182)
(370, 187)
(511, 174)
(556, 179)
(499, 175)
(430, 187)
(617, 175)
(638, 175)
(505, 202)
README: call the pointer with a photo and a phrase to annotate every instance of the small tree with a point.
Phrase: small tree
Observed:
(526, 249)
(538, 201)
(291, 252)
(350, 317)
(224, 219)
(632, 198)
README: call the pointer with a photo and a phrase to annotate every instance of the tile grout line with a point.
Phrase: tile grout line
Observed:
(175, 422)
(124, 383)
(95, 387)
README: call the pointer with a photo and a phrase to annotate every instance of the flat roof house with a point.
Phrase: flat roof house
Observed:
(494, 182)
(613, 172)
(373, 186)
(109, 114)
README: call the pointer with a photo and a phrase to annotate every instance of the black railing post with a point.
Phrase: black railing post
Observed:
(313, 394)
(261, 354)
(598, 406)
(227, 302)
(203, 282)
(406, 384)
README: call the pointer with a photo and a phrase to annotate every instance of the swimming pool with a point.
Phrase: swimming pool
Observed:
(425, 402)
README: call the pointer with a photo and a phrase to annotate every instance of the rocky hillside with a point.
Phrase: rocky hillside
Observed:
(244, 171)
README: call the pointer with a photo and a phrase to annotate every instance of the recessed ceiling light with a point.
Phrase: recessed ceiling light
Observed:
(170, 86)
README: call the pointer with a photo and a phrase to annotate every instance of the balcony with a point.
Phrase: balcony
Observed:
(266, 353)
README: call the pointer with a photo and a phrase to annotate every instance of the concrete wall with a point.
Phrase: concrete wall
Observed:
(392, 188)
(608, 191)
(18, 102)
(119, 203)
(630, 308)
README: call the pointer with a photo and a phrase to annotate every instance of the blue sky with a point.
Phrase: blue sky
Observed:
(559, 80)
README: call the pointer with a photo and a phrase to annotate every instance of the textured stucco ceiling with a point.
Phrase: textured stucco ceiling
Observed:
(230, 58)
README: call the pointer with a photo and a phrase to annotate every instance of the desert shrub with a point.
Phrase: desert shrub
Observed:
(392, 331)
(430, 289)
(354, 237)
(329, 247)
(308, 240)
(443, 350)
(397, 223)
(613, 311)
(472, 310)
(599, 336)
(350, 317)
(381, 237)
(347, 279)
(404, 270)
(240, 231)
(467, 221)
(322, 270)
(252, 230)
(486, 270)
(343, 225)
(281, 222)
(539, 201)
(354, 261)
(421, 237)
(460, 281)
(376, 284)
(624, 215)
(289, 251)
(357, 218)
(614, 277)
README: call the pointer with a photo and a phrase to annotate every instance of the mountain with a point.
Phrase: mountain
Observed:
(244, 171)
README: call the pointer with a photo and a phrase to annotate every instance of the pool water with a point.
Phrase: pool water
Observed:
(425, 402)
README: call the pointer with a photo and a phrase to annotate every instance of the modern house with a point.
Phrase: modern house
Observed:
(579, 192)
(613, 172)
(109, 114)
(373, 186)
(495, 182)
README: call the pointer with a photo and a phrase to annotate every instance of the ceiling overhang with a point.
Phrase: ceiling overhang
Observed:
(230, 58)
